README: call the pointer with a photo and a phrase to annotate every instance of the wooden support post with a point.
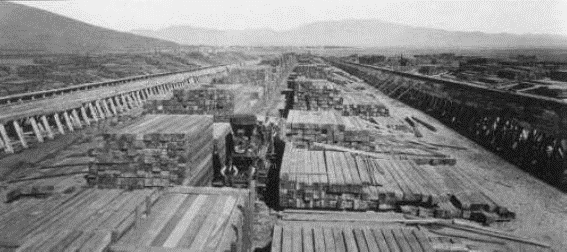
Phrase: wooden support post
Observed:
(84, 115)
(118, 104)
(114, 110)
(93, 112)
(59, 124)
(75, 116)
(20, 133)
(106, 108)
(99, 109)
(7, 143)
(131, 100)
(137, 96)
(38, 134)
(126, 104)
(47, 127)
(68, 121)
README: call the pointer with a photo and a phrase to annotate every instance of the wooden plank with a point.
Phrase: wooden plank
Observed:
(184, 222)
(391, 240)
(339, 240)
(380, 240)
(297, 238)
(220, 214)
(159, 223)
(423, 240)
(287, 238)
(370, 240)
(319, 238)
(329, 239)
(307, 239)
(360, 240)
(412, 240)
(277, 239)
(401, 239)
(350, 241)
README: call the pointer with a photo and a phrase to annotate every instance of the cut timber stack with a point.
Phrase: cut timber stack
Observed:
(191, 219)
(312, 94)
(221, 133)
(362, 104)
(158, 150)
(201, 101)
(87, 220)
(356, 181)
(305, 127)
(360, 236)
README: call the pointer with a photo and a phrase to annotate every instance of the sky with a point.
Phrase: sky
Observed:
(498, 16)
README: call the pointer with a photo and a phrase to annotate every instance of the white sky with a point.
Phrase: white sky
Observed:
(486, 16)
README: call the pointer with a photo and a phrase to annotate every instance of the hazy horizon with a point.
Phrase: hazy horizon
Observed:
(517, 17)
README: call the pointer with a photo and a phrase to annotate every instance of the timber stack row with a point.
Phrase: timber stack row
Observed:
(344, 181)
(201, 101)
(158, 150)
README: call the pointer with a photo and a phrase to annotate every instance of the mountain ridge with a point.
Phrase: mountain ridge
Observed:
(27, 28)
(352, 32)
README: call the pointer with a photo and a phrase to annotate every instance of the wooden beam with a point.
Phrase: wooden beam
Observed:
(59, 124)
(75, 116)
(20, 133)
(99, 109)
(47, 127)
(84, 115)
(68, 121)
(7, 143)
(38, 134)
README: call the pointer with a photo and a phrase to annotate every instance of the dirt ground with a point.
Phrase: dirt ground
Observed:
(541, 210)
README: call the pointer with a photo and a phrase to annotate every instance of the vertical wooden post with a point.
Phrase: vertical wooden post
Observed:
(118, 104)
(75, 116)
(127, 105)
(68, 121)
(93, 112)
(7, 143)
(114, 110)
(106, 108)
(36, 129)
(84, 115)
(99, 109)
(47, 127)
(20, 133)
(58, 123)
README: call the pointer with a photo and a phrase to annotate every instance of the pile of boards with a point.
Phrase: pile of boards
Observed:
(87, 220)
(201, 101)
(327, 126)
(192, 219)
(361, 104)
(319, 237)
(316, 94)
(342, 180)
(158, 150)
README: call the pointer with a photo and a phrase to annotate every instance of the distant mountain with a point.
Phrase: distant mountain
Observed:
(27, 28)
(367, 33)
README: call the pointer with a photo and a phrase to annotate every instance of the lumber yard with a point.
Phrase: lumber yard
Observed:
(302, 154)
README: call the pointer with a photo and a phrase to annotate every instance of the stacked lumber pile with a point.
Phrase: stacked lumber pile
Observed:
(201, 101)
(362, 104)
(305, 127)
(312, 94)
(191, 219)
(221, 131)
(342, 180)
(158, 150)
(88, 220)
(313, 71)
(359, 236)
